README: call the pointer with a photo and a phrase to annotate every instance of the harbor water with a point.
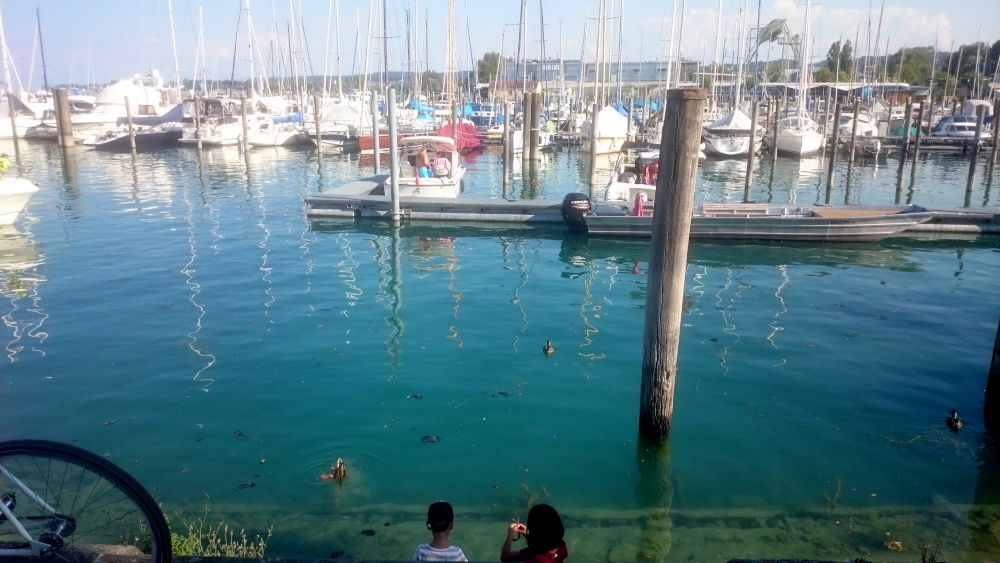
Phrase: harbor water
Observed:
(180, 314)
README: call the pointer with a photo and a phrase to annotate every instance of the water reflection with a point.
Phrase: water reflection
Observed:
(20, 280)
(206, 359)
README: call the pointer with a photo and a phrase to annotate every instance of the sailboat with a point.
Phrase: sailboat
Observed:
(730, 135)
(798, 134)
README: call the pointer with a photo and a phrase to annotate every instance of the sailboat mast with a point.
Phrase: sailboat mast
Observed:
(670, 43)
(804, 77)
(340, 88)
(680, 40)
(368, 45)
(173, 44)
(522, 55)
(621, 30)
(326, 49)
(715, 59)
(385, 46)
(6, 56)
(41, 47)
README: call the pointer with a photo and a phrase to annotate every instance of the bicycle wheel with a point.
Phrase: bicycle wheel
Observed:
(82, 505)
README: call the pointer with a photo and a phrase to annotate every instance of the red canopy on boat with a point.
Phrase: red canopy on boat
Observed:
(466, 138)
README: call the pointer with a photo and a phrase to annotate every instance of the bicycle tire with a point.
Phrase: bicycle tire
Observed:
(112, 514)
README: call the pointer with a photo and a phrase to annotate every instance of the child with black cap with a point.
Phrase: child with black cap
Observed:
(440, 520)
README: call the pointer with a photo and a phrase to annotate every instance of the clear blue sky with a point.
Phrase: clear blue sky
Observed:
(103, 40)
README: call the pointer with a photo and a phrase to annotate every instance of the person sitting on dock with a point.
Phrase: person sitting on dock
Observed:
(423, 164)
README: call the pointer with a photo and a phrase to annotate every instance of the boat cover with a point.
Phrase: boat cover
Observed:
(735, 121)
(173, 115)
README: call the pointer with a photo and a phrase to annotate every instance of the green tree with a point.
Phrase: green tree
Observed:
(487, 66)
(839, 57)
(846, 57)
(432, 81)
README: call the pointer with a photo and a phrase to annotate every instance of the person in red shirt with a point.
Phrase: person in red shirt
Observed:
(544, 534)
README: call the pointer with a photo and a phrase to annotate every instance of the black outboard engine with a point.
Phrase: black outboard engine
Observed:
(574, 207)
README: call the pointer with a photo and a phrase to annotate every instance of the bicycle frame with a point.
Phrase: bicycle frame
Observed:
(34, 548)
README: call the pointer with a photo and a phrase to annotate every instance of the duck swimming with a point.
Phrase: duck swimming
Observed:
(549, 349)
(954, 422)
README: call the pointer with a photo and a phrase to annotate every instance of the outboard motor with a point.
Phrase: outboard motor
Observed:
(574, 207)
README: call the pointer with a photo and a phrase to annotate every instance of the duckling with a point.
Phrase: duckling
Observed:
(340, 471)
(549, 349)
(954, 422)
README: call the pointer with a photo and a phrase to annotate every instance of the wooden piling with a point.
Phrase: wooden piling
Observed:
(13, 125)
(854, 130)
(393, 156)
(774, 136)
(991, 409)
(833, 155)
(506, 146)
(526, 104)
(319, 137)
(974, 153)
(197, 121)
(907, 120)
(131, 129)
(536, 125)
(668, 258)
(593, 146)
(748, 179)
(64, 125)
(375, 140)
(996, 131)
(243, 117)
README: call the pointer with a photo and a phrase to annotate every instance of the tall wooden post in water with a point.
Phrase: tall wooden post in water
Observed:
(375, 139)
(316, 113)
(996, 131)
(63, 123)
(13, 124)
(197, 121)
(526, 105)
(536, 124)
(131, 129)
(750, 152)
(854, 130)
(974, 153)
(833, 153)
(668, 258)
(390, 105)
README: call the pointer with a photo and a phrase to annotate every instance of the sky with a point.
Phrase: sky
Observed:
(99, 41)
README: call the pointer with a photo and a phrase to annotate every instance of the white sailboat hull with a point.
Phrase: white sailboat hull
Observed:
(799, 143)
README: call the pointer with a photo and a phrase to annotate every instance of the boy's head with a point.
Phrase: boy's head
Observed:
(440, 516)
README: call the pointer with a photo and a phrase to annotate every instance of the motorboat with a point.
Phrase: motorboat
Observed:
(146, 138)
(958, 125)
(14, 195)
(447, 168)
(750, 221)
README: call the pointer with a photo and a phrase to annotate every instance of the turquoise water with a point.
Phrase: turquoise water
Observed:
(184, 317)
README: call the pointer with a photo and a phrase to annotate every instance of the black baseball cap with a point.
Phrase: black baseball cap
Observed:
(439, 516)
